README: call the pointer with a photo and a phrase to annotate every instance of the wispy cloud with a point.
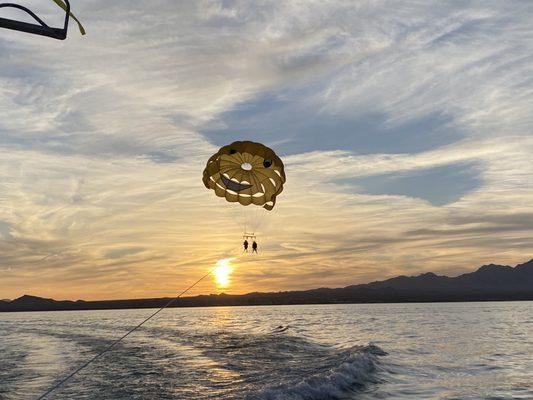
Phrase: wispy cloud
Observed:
(103, 139)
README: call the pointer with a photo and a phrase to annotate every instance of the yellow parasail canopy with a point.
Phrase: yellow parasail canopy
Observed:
(246, 172)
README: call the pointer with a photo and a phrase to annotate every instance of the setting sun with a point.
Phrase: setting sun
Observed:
(222, 272)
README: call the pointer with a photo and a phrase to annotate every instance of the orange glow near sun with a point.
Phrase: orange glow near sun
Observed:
(222, 272)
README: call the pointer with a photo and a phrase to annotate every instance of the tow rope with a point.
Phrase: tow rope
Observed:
(117, 341)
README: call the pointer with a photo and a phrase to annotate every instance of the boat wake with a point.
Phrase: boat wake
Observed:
(173, 362)
(356, 369)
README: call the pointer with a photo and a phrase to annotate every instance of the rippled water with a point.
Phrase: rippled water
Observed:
(374, 351)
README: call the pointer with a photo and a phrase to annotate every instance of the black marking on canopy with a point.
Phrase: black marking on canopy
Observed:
(232, 185)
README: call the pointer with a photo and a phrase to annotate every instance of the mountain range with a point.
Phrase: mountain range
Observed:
(488, 283)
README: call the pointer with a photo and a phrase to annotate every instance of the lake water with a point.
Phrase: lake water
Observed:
(356, 351)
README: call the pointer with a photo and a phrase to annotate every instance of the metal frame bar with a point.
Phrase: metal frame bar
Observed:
(37, 29)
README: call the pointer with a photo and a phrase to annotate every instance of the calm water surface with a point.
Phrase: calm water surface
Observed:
(376, 351)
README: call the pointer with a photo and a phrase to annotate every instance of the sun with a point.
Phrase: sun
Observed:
(222, 272)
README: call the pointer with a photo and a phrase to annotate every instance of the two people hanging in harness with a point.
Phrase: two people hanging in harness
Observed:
(254, 246)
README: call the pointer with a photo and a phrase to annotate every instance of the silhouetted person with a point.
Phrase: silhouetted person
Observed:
(254, 247)
(245, 244)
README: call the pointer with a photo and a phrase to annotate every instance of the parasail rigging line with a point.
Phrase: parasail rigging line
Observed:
(40, 28)
(117, 341)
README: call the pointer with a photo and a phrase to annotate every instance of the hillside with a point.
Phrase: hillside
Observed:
(489, 282)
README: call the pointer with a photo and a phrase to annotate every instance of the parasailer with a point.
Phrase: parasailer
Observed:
(246, 173)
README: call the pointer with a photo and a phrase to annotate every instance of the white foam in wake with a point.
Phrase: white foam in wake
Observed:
(356, 370)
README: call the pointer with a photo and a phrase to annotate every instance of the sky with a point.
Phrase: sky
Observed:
(405, 128)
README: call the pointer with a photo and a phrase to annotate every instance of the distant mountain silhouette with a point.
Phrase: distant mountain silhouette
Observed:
(489, 282)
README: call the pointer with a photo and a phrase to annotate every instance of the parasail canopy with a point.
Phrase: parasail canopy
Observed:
(246, 172)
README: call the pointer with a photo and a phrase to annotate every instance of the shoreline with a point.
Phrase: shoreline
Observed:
(147, 307)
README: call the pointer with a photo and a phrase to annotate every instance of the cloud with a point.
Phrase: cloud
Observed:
(125, 251)
(438, 185)
(405, 130)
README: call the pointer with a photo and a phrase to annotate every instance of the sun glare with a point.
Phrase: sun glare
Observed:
(222, 272)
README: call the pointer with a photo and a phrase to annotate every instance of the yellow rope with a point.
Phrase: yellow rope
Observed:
(63, 5)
